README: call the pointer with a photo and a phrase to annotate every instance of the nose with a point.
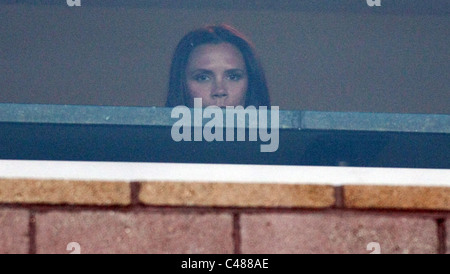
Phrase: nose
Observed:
(219, 89)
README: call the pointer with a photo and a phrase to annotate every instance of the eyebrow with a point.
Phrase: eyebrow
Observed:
(210, 71)
(200, 71)
(236, 70)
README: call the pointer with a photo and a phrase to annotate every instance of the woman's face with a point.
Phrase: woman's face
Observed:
(217, 74)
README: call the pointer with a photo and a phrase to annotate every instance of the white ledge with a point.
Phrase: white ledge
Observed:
(130, 171)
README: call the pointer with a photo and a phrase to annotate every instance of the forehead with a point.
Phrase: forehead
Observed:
(208, 55)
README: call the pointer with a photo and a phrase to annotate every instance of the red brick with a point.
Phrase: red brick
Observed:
(134, 232)
(14, 227)
(336, 233)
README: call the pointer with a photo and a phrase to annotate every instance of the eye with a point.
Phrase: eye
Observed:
(201, 77)
(235, 76)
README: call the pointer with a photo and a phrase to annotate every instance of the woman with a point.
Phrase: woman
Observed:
(217, 64)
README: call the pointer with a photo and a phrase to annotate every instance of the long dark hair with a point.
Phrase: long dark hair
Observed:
(257, 91)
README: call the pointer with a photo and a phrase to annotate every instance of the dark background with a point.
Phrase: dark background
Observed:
(318, 55)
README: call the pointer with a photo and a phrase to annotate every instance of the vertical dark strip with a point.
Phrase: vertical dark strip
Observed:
(442, 236)
(237, 233)
(135, 188)
(32, 233)
(339, 197)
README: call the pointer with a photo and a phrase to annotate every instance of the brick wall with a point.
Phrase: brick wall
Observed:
(44, 216)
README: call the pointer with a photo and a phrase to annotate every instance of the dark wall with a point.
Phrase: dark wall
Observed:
(360, 59)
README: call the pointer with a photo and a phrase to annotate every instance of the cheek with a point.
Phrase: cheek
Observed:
(197, 90)
(240, 89)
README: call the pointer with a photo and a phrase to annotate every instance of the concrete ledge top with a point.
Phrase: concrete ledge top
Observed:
(161, 116)
(219, 173)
